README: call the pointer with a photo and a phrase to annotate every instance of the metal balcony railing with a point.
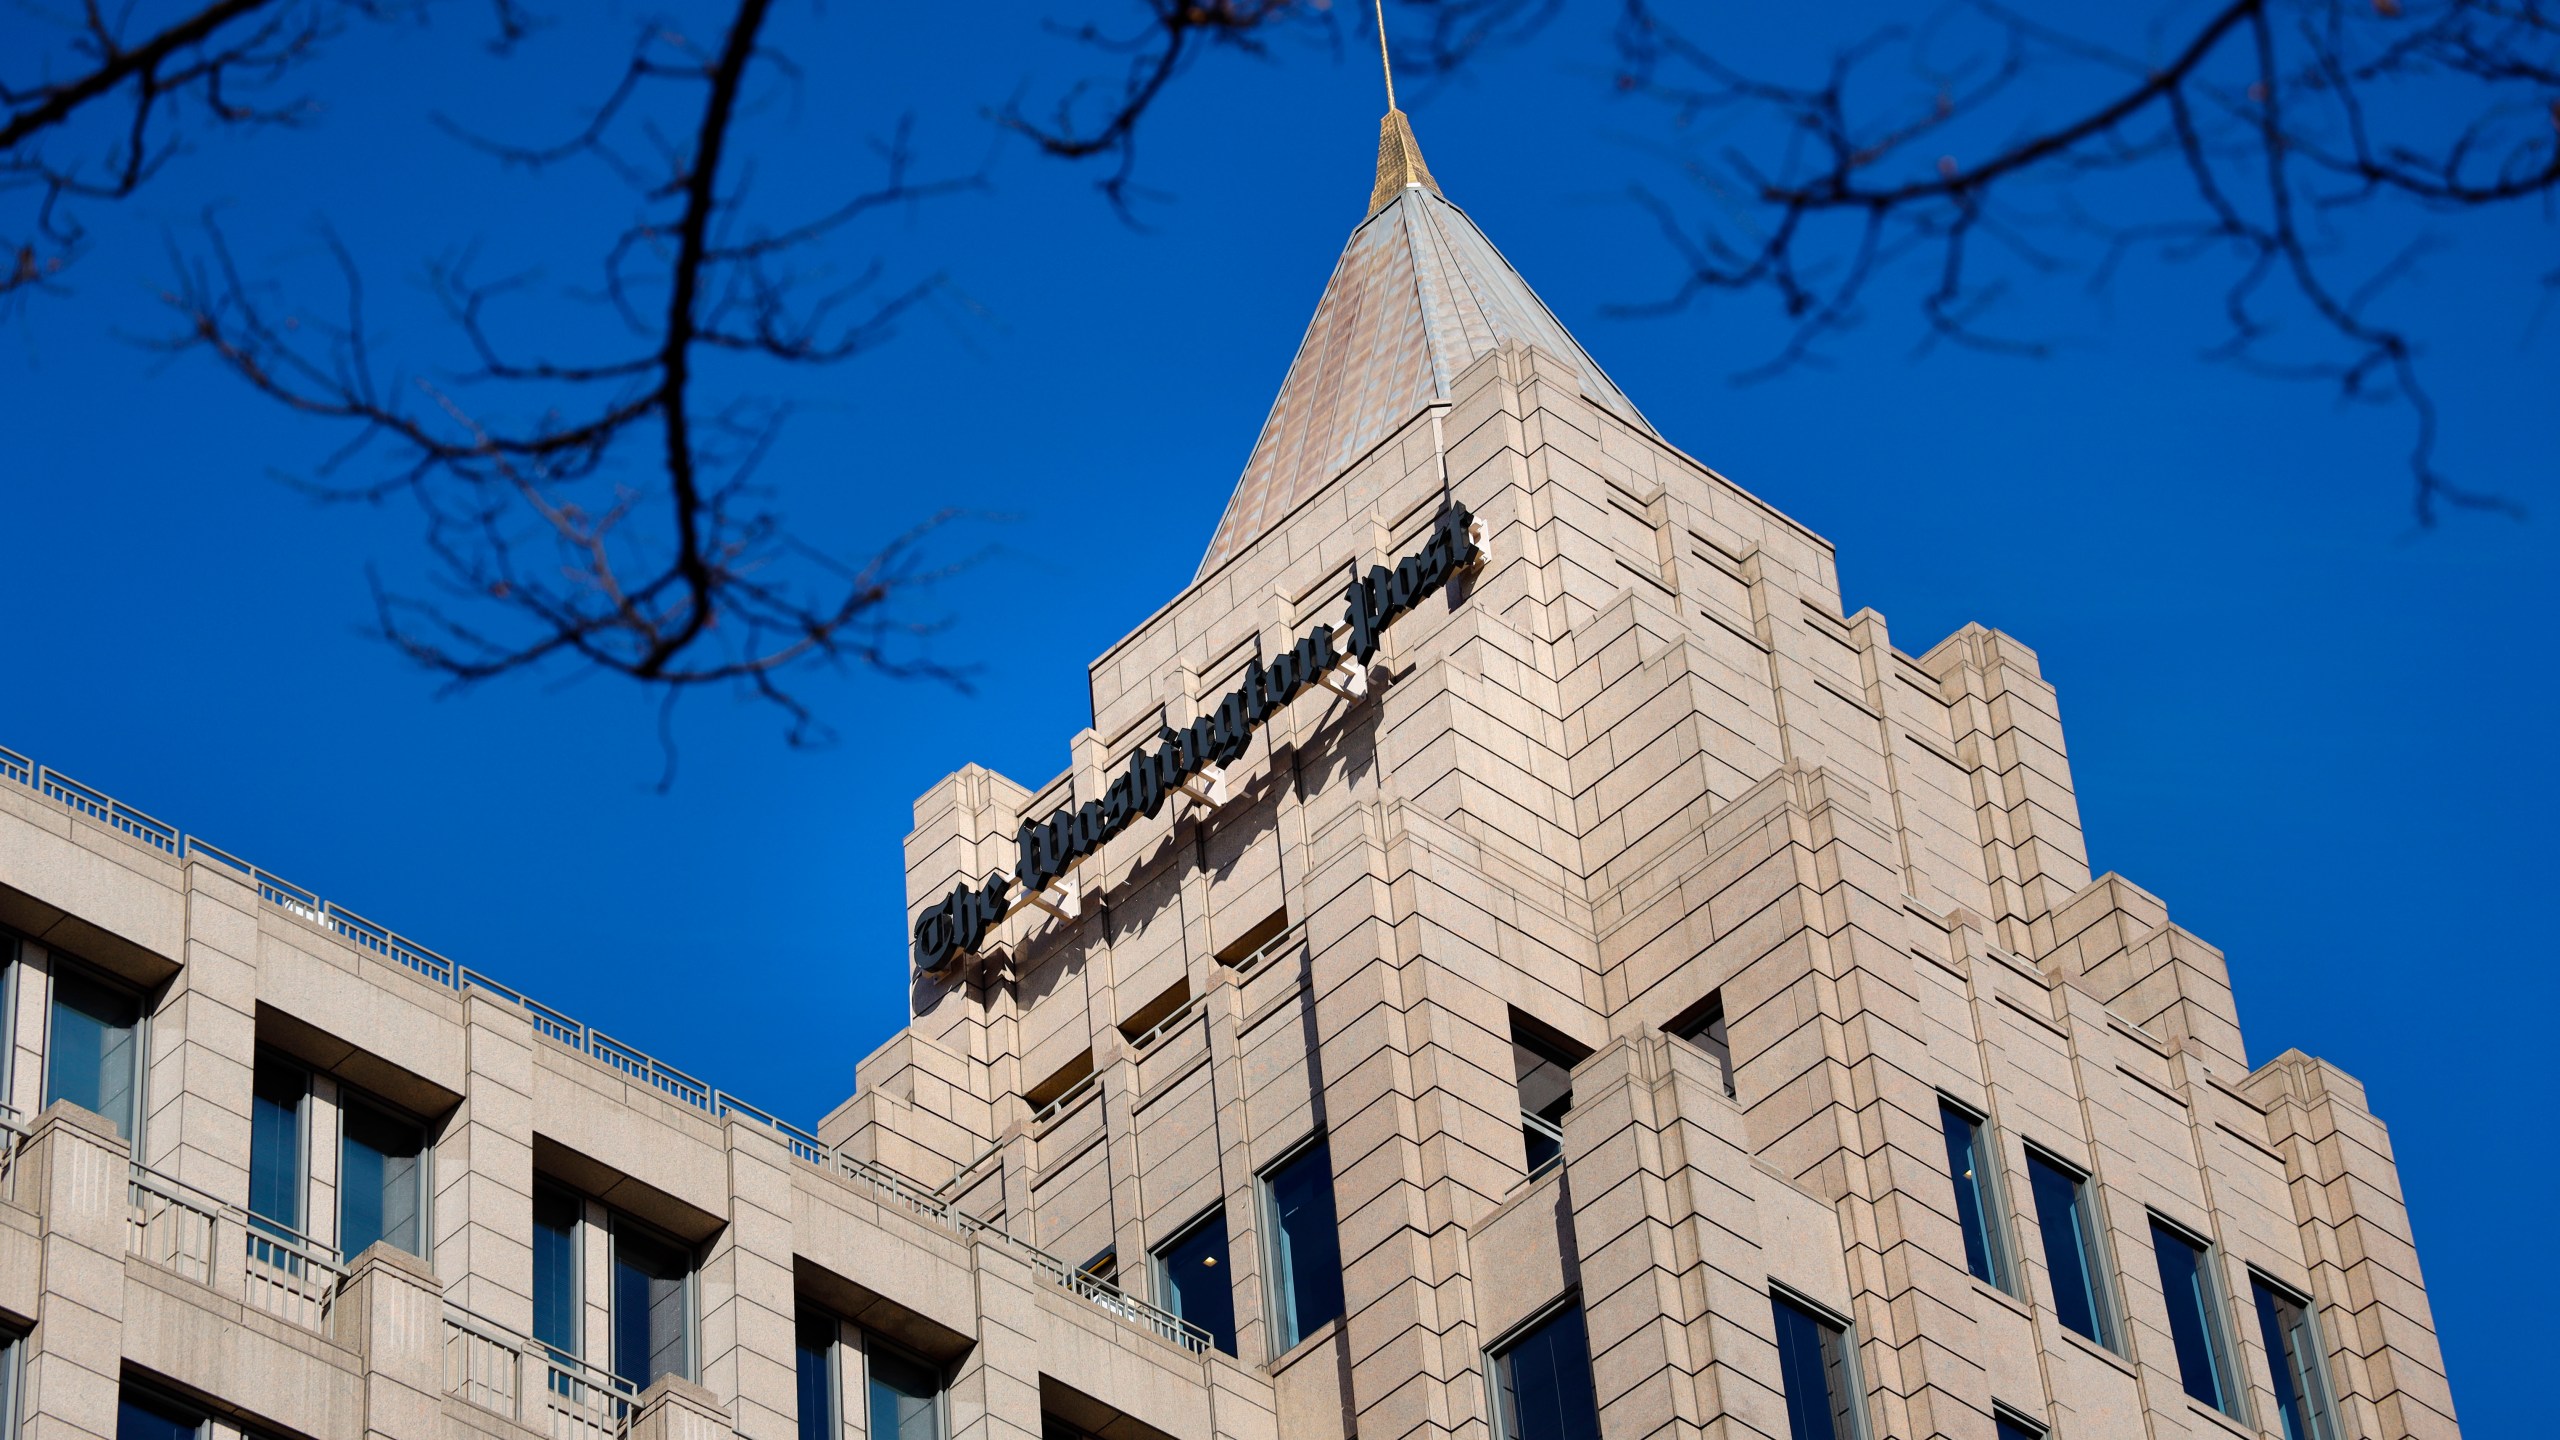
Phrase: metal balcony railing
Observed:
(526, 1381)
(179, 1228)
(175, 1226)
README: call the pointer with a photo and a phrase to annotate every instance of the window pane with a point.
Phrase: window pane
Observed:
(1708, 1033)
(2062, 1214)
(2008, 1429)
(817, 1347)
(1813, 1363)
(2294, 1363)
(2186, 1282)
(1197, 1288)
(652, 1326)
(906, 1397)
(1965, 1164)
(555, 1270)
(381, 1182)
(275, 1143)
(1543, 1383)
(91, 1060)
(1306, 1247)
(140, 1417)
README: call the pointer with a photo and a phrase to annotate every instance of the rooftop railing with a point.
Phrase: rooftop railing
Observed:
(172, 1221)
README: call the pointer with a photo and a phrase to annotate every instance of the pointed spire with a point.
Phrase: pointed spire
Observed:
(1399, 162)
(1399, 154)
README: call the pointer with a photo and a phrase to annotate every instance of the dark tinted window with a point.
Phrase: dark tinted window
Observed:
(2195, 1318)
(147, 1417)
(381, 1178)
(1813, 1362)
(2005, 1428)
(1542, 1383)
(1197, 1282)
(91, 1060)
(555, 1270)
(2294, 1363)
(816, 1344)
(906, 1397)
(2070, 1248)
(652, 1307)
(1968, 1167)
(275, 1142)
(1306, 1247)
(1706, 1031)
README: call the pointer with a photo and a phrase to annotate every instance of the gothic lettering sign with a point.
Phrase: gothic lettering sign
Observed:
(1048, 849)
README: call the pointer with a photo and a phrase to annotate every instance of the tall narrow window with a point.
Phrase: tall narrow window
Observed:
(93, 1061)
(1819, 1369)
(2195, 1318)
(816, 1344)
(1193, 1272)
(556, 1298)
(1977, 1184)
(2068, 1219)
(276, 1092)
(2294, 1363)
(1306, 1249)
(652, 1306)
(1543, 1063)
(1704, 1028)
(382, 1177)
(906, 1394)
(1542, 1386)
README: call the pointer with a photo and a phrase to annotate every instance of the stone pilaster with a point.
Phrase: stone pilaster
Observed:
(75, 1172)
(2385, 1361)
(483, 1206)
(748, 1297)
(391, 1311)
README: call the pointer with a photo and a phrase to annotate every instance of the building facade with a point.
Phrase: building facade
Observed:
(1510, 959)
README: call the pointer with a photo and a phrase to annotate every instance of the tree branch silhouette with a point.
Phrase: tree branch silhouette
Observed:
(604, 510)
(2283, 121)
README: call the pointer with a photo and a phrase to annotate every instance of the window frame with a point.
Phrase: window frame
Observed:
(13, 1352)
(298, 1228)
(2017, 1419)
(1160, 1284)
(616, 1223)
(1689, 1027)
(2106, 1309)
(1861, 1424)
(2322, 1409)
(1991, 1197)
(1501, 1347)
(57, 964)
(2213, 1302)
(576, 1350)
(351, 1099)
(831, 1361)
(873, 1344)
(1279, 1288)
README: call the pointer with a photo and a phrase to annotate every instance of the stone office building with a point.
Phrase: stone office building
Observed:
(1575, 981)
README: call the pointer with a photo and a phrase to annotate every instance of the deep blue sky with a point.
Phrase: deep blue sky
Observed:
(2324, 740)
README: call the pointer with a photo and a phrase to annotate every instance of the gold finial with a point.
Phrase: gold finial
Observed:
(1399, 154)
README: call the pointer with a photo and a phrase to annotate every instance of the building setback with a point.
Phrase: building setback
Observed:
(1632, 999)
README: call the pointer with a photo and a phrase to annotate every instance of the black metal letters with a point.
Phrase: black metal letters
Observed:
(1047, 849)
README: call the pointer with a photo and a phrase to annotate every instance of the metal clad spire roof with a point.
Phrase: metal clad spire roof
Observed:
(1418, 295)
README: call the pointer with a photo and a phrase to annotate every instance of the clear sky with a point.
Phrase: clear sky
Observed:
(2326, 741)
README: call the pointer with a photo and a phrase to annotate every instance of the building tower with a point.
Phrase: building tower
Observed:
(1685, 985)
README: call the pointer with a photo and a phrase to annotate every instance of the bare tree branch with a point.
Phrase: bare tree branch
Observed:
(621, 526)
(210, 64)
(2273, 111)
